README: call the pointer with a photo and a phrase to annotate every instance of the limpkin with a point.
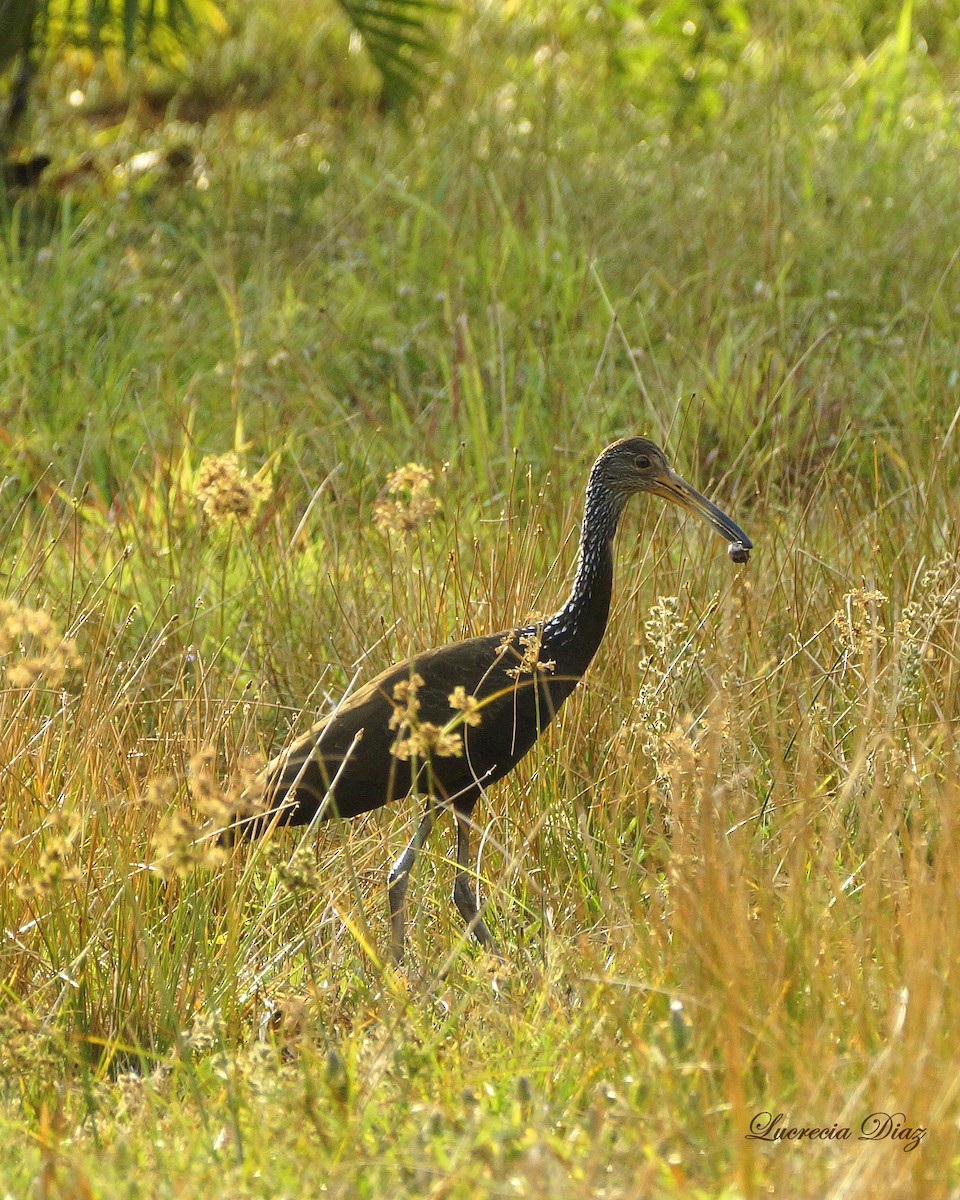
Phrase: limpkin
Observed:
(487, 699)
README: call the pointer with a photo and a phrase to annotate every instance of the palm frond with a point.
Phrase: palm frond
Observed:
(159, 27)
(398, 40)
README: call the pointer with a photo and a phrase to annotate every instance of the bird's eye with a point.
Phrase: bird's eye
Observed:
(643, 462)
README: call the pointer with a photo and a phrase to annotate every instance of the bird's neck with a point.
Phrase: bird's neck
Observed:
(579, 625)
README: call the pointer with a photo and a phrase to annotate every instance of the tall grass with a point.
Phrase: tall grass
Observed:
(726, 878)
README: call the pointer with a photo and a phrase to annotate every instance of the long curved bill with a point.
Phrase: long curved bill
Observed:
(672, 487)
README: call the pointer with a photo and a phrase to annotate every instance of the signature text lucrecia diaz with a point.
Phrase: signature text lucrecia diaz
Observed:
(877, 1127)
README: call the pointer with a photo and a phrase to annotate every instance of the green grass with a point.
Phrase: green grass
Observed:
(726, 881)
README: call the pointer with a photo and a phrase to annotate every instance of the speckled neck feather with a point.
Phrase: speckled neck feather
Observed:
(583, 617)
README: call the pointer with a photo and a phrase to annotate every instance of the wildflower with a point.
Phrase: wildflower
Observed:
(532, 643)
(45, 656)
(664, 626)
(416, 738)
(858, 622)
(937, 595)
(204, 1032)
(299, 873)
(468, 705)
(425, 740)
(179, 846)
(408, 503)
(406, 704)
(673, 655)
(224, 489)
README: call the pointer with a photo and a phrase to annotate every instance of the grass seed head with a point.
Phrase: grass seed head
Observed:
(469, 706)
(56, 867)
(202, 775)
(180, 845)
(530, 660)
(8, 847)
(226, 491)
(416, 738)
(299, 872)
(406, 705)
(45, 656)
(858, 623)
(408, 502)
(425, 739)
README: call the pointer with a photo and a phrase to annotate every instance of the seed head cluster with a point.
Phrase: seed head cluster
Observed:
(408, 502)
(226, 491)
(858, 623)
(469, 706)
(672, 656)
(182, 843)
(937, 598)
(29, 1044)
(45, 656)
(530, 661)
(56, 865)
(178, 846)
(425, 739)
(296, 873)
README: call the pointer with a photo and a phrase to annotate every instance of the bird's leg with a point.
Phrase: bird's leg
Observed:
(398, 879)
(464, 896)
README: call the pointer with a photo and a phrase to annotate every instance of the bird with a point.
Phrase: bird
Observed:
(449, 722)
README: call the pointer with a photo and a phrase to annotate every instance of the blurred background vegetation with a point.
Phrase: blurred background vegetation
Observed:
(352, 228)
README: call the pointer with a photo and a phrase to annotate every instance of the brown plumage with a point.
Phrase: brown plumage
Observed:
(364, 753)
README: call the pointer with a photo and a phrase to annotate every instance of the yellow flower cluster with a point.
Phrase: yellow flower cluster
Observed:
(226, 491)
(468, 705)
(416, 738)
(859, 623)
(531, 645)
(44, 653)
(408, 502)
(182, 843)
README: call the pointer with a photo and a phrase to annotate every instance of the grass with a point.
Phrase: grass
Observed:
(727, 880)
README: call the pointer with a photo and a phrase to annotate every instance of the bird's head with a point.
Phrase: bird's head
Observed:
(636, 464)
